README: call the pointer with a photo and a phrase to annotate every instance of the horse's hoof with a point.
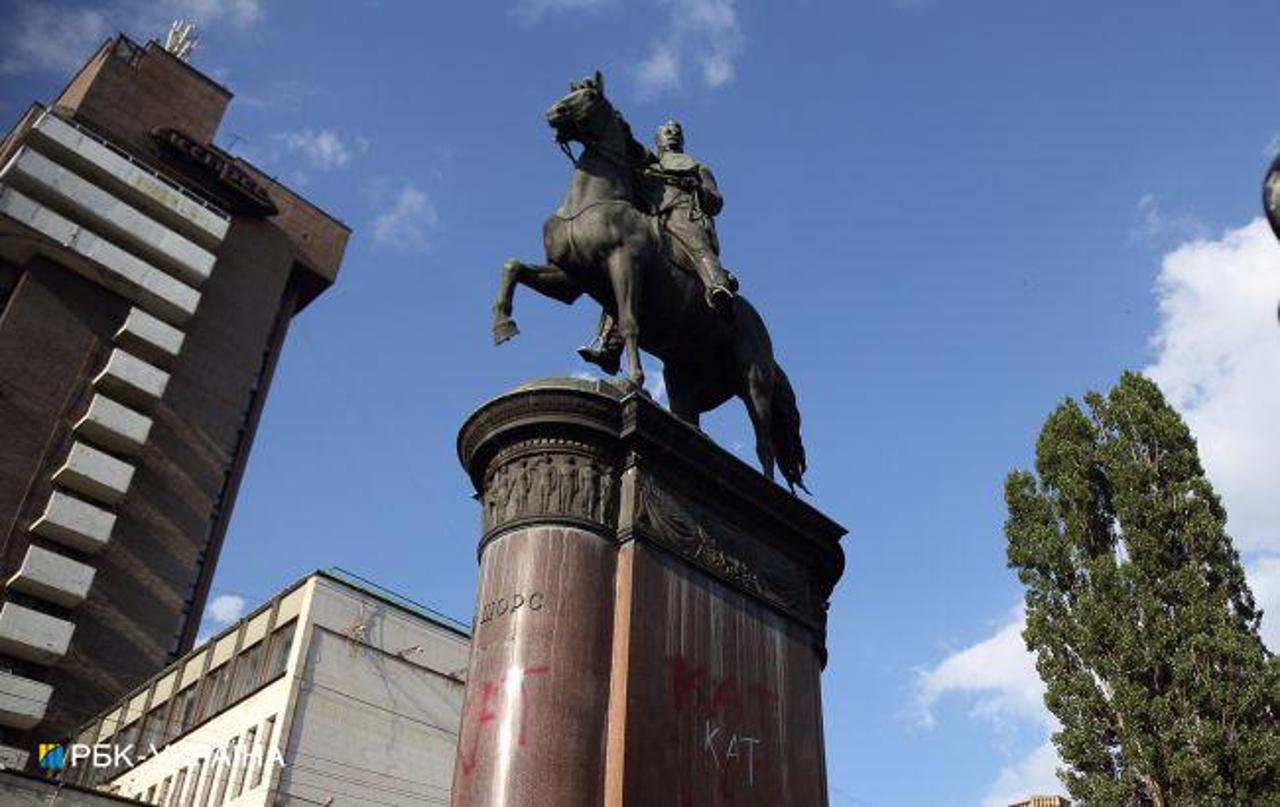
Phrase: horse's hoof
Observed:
(504, 329)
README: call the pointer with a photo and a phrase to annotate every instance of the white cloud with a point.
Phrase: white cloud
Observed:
(998, 675)
(703, 34)
(1157, 226)
(1264, 579)
(203, 12)
(1034, 774)
(59, 37)
(225, 609)
(406, 221)
(324, 150)
(997, 672)
(47, 37)
(1218, 361)
(659, 71)
(533, 10)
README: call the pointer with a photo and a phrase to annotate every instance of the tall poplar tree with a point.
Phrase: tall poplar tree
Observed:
(1144, 629)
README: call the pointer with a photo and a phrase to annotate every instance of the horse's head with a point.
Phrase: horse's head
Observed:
(584, 113)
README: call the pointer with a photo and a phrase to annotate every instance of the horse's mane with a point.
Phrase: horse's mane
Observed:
(634, 148)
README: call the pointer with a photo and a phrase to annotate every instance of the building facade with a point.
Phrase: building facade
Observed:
(334, 692)
(147, 279)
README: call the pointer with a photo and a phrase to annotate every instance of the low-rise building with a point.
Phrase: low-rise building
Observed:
(334, 692)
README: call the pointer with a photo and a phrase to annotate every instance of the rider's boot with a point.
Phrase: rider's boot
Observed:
(605, 351)
(606, 358)
(719, 285)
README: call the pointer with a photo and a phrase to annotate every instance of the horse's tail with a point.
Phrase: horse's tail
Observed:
(788, 448)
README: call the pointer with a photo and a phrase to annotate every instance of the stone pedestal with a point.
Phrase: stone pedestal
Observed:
(650, 620)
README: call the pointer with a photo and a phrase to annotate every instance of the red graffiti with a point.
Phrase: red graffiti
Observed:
(729, 720)
(690, 684)
(488, 704)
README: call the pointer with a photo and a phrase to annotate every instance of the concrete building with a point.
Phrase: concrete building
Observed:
(147, 279)
(334, 692)
(23, 790)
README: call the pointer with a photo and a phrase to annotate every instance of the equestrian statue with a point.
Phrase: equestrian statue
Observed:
(636, 233)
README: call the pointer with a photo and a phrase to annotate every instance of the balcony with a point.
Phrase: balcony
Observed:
(52, 577)
(22, 701)
(32, 635)
(95, 474)
(75, 523)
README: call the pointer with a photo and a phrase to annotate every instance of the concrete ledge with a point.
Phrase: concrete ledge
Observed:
(31, 635)
(54, 135)
(132, 380)
(52, 577)
(104, 213)
(149, 338)
(114, 426)
(75, 523)
(122, 272)
(95, 473)
(22, 702)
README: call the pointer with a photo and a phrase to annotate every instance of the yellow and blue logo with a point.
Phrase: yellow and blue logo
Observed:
(51, 757)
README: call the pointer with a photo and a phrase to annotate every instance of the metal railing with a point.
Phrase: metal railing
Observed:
(136, 163)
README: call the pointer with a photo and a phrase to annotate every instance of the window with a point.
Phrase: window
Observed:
(190, 800)
(210, 777)
(260, 763)
(163, 796)
(246, 755)
(248, 663)
(278, 657)
(151, 795)
(213, 695)
(126, 740)
(225, 767)
(176, 799)
(152, 731)
(183, 713)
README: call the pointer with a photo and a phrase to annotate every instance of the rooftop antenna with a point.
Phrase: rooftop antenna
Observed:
(181, 39)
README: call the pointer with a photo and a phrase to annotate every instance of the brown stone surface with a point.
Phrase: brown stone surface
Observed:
(682, 666)
(722, 700)
(538, 684)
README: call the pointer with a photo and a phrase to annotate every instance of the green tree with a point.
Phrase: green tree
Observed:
(1144, 629)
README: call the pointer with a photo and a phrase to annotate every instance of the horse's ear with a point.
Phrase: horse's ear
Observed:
(600, 82)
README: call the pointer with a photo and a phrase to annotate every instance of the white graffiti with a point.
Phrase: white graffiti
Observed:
(726, 749)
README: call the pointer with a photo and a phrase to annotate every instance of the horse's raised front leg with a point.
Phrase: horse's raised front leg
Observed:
(549, 280)
(624, 275)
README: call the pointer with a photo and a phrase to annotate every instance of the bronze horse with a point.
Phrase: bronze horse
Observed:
(605, 241)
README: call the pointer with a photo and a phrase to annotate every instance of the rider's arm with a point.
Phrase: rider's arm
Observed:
(708, 192)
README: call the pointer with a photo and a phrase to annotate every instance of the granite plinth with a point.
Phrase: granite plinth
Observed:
(651, 615)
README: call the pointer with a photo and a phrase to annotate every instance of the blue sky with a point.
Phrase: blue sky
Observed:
(952, 214)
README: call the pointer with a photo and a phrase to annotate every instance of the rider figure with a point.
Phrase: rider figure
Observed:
(690, 202)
